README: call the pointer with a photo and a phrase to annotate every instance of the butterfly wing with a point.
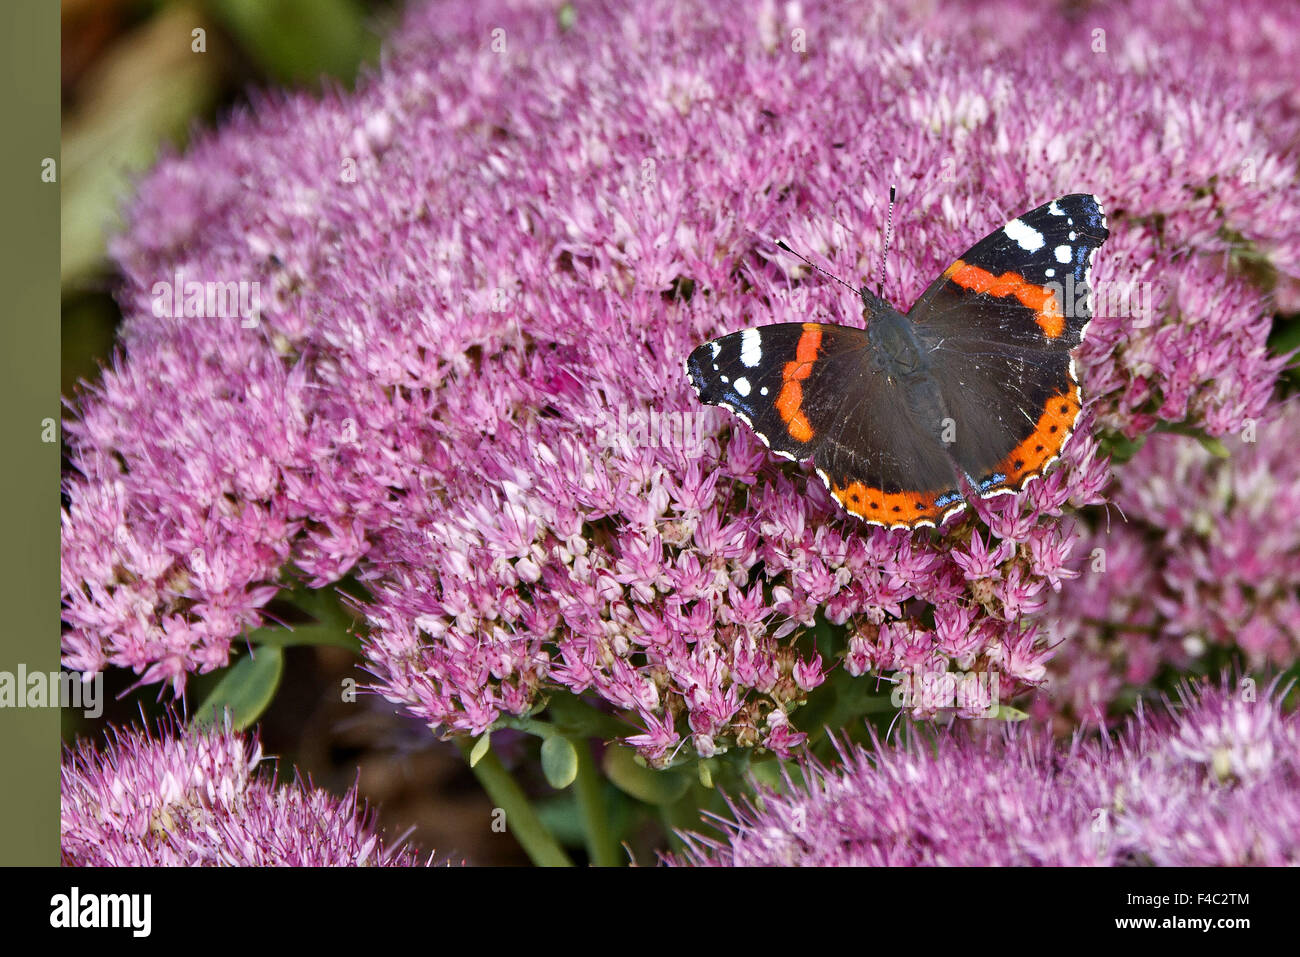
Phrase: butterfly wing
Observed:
(999, 325)
(810, 391)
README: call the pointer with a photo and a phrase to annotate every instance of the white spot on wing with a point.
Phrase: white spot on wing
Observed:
(751, 348)
(1025, 236)
(1049, 273)
(1054, 209)
(742, 386)
(1062, 254)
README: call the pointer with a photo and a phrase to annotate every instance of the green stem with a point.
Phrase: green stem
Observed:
(602, 848)
(684, 814)
(521, 819)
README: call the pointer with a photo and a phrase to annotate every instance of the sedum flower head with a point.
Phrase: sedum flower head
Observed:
(479, 275)
(194, 798)
(1205, 561)
(1211, 780)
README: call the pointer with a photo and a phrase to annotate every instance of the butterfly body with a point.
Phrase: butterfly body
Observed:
(975, 380)
(895, 348)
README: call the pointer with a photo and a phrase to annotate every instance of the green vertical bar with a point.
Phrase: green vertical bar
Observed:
(29, 395)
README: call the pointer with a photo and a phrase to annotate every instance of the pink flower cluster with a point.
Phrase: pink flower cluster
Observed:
(193, 798)
(1205, 560)
(1252, 45)
(1214, 781)
(480, 273)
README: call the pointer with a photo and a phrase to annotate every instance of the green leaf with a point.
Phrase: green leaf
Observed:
(480, 748)
(1286, 340)
(561, 814)
(317, 634)
(1005, 712)
(310, 617)
(299, 39)
(705, 769)
(767, 773)
(576, 718)
(1214, 446)
(559, 761)
(246, 690)
(1120, 449)
(841, 702)
(562, 818)
(643, 783)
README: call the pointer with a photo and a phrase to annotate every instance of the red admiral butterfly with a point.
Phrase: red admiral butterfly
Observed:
(976, 379)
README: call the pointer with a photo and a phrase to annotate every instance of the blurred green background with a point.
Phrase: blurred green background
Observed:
(132, 85)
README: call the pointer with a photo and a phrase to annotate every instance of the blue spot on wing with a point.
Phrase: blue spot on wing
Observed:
(1081, 260)
(740, 403)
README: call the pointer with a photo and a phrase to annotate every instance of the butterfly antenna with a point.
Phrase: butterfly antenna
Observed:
(889, 234)
(781, 243)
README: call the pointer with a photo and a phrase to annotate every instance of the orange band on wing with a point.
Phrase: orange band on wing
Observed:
(887, 507)
(1053, 428)
(789, 404)
(1047, 313)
